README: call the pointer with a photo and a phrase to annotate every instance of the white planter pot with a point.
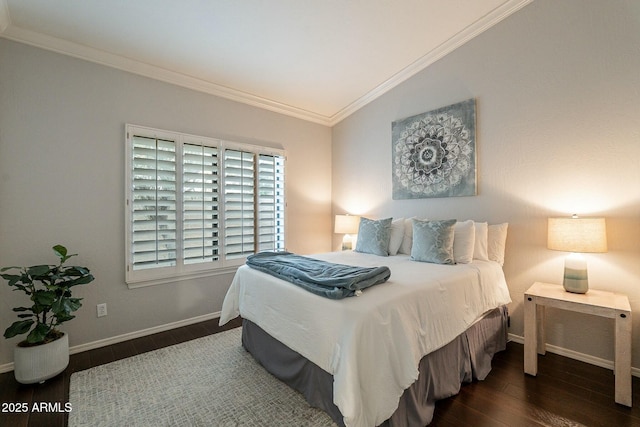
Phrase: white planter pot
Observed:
(39, 363)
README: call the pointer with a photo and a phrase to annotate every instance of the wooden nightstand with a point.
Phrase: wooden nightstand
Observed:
(595, 302)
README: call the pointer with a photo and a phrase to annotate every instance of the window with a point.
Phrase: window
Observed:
(196, 205)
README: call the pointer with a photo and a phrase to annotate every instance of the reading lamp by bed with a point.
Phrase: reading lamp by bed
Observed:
(576, 235)
(347, 225)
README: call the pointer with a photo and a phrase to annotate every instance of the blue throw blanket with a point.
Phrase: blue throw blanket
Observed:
(323, 278)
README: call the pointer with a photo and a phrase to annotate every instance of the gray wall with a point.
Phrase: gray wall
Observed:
(62, 181)
(557, 87)
(558, 131)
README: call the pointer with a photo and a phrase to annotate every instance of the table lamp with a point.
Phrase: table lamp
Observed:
(347, 225)
(576, 235)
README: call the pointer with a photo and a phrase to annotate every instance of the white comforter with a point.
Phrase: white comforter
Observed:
(371, 344)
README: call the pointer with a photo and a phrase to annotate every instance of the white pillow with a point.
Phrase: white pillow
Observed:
(407, 239)
(496, 242)
(480, 250)
(397, 234)
(464, 238)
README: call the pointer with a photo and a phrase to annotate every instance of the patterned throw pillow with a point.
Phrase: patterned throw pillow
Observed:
(433, 241)
(373, 236)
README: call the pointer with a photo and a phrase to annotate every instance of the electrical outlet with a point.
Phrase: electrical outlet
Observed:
(102, 309)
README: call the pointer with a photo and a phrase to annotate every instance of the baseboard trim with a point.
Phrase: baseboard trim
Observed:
(8, 367)
(582, 357)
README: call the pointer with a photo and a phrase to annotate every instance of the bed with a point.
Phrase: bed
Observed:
(426, 330)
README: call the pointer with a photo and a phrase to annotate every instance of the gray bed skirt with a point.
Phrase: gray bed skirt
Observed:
(465, 359)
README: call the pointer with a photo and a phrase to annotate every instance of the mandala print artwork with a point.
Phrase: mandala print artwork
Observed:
(434, 153)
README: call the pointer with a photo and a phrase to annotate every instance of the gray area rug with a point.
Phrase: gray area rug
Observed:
(210, 381)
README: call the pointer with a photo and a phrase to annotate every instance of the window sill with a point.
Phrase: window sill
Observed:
(181, 277)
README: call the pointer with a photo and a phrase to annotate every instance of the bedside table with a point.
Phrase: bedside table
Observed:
(595, 302)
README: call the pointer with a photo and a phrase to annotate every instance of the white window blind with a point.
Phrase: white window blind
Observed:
(239, 204)
(271, 202)
(200, 203)
(153, 203)
(195, 204)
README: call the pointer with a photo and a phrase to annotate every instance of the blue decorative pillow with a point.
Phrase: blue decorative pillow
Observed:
(433, 241)
(373, 236)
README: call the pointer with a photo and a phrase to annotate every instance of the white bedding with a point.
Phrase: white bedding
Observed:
(371, 344)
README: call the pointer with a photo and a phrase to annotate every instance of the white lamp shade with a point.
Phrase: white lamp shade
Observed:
(347, 224)
(577, 234)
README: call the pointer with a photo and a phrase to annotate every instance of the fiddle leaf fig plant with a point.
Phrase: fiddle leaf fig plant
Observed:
(49, 290)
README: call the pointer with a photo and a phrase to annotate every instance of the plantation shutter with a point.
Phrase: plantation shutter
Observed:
(239, 214)
(200, 201)
(198, 205)
(271, 202)
(153, 211)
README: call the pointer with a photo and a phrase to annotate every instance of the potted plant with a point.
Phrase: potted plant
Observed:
(45, 351)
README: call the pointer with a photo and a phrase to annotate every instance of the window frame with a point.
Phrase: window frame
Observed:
(183, 271)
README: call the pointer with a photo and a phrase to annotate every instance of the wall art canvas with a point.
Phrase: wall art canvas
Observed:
(434, 153)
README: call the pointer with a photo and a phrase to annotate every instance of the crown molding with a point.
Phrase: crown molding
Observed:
(76, 50)
(478, 27)
(119, 62)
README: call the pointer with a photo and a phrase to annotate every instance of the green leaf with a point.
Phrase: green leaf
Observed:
(8, 268)
(64, 306)
(21, 309)
(18, 328)
(38, 334)
(81, 280)
(38, 270)
(61, 318)
(11, 278)
(76, 271)
(61, 252)
(22, 288)
(44, 297)
(15, 280)
(75, 303)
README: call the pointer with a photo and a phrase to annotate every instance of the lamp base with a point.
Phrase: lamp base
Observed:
(577, 286)
(575, 274)
(347, 243)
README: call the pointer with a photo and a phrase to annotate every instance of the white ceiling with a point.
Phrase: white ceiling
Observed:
(319, 60)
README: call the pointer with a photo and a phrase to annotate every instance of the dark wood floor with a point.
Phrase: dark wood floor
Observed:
(565, 392)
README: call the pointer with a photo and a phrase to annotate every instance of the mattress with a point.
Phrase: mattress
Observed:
(387, 330)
